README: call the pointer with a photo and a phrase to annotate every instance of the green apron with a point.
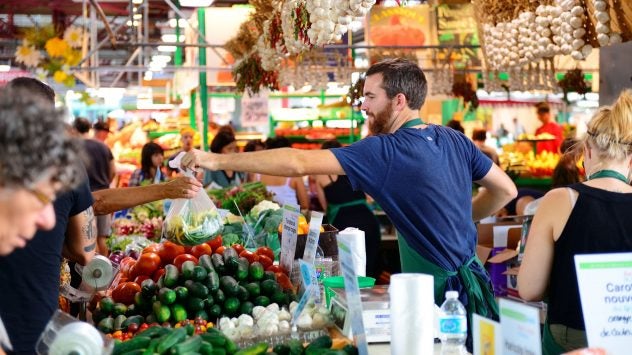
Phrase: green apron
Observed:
(549, 345)
(334, 208)
(479, 292)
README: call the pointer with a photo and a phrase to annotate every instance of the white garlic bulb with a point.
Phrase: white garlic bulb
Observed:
(615, 38)
(586, 50)
(578, 44)
(579, 32)
(577, 55)
(602, 16)
(603, 39)
(577, 11)
(576, 22)
(600, 5)
(601, 28)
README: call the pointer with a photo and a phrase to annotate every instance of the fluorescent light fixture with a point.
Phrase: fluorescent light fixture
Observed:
(137, 2)
(196, 3)
(137, 16)
(167, 48)
(148, 75)
(129, 22)
(169, 37)
(182, 23)
(4, 67)
(161, 58)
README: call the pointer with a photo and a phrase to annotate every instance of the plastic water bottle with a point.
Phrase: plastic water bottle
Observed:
(452, 325)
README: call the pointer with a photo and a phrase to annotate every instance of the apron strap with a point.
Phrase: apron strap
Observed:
(334, 208)
(549, 345)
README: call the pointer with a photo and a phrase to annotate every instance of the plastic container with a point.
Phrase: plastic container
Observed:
(339, 282)
(452, 325)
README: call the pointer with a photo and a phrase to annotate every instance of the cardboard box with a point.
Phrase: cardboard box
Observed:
(497, 249)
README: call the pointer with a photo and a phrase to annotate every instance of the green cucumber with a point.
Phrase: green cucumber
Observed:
(182, 294)
(257, 349)
(136, 343)
(229, 285)
(133, 319)
(178, 312)
(188, 346)
(212, 281)
(218, 263)
(229, 253)
(206, 348)
(231, 306)
(106, 325)
(195, 304)
(243, 294)
(262, 301)
(171, 276)
(217, 340)
(199, 273)
(197, 289)
(187, 269)
(107, 305)
(148, 288)
(161, 312)
(154, 331)
(176, 336)
(118, 322)
(166, 295)
(322, 342)
(242, 269)
(255, 271)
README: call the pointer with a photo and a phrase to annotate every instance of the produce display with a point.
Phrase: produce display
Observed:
(193, 228)
(169, 284)
(240, 199)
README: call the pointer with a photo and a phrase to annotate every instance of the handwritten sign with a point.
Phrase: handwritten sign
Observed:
(312, 291)
(520, 328)
(487, 336)
(312, 237)
(605, 289)
(254, 109)
(289, 235)
(352, 290)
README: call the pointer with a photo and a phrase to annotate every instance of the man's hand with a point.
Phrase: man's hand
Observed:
(182, 187)
(196, 158)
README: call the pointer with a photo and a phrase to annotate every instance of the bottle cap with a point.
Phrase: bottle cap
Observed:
(451, 294)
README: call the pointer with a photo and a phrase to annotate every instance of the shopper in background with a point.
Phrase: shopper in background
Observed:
(592, 217)
(420, 174)
(254, 145)
(151, 158)
(518, 128)
(548, 126)
(284, 189)
(566, 171)
(101, 130)
(101, 171)
(40, 164)
(224, 142)
(186, 145)
(348, 208)
(455, 125)
(479, 136)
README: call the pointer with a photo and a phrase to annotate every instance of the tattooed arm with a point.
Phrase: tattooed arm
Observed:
(81, 237)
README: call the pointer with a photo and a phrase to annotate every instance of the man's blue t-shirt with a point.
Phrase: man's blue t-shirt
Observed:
(422, 178)
(30, 276)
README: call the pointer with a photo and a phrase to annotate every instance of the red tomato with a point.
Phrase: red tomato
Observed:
(215, 242)
(148, 263)
(180, 259)
(187, 249)
(140, 278)
(238, 248)
(125, 292)
(156, 275)
(219, 250)
(143, 327)
(265, 261)
(202, 249)
(276, 268)
(252, 257)
(265, 251)
(284, 281)
(126, 264)
(133, 272)
(169, 251)
(152, 248)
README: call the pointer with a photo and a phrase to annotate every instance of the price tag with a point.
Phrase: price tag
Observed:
(520, 328)
(605, 289)
(312, 237)
(289, 235)
(312, 291)
(352, 290)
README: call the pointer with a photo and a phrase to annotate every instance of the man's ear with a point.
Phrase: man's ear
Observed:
(400, 102)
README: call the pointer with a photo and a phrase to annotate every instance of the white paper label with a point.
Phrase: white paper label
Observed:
(352, 290)
(312, 237)
(487, 336)
(289, 235)
(520, 328)
(605, 289)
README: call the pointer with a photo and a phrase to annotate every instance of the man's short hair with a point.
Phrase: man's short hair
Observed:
(543, 107)
(401, 76)
(479, 135)
(34, 142)
(81, 125)
(33, 86)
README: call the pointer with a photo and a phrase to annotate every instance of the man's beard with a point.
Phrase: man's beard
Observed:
(379, 121)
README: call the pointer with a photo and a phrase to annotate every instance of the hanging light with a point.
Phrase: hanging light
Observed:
(196, 3)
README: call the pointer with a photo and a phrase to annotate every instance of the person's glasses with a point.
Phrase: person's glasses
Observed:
(41, 197)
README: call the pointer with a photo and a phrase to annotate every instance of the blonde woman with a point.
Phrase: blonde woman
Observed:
(585, 218)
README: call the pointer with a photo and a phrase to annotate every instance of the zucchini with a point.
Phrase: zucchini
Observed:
(154, 332)
(217, 340)
(171, 276)
(133, 319)
(151, 348)
(136, 343)
(173, 338)
(212, 281)
(229, 285)
(188, 346)
(187, 269)
(218, 263)
(206, 348)
(206, 262)
(197, 289)
(199, 273)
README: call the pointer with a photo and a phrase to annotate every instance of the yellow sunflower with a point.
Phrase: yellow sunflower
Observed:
(56, 47)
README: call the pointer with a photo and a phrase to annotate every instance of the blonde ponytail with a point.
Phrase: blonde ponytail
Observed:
(610, 129)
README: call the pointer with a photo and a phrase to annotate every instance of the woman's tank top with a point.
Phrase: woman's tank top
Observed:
(600, 222)
(282, 193)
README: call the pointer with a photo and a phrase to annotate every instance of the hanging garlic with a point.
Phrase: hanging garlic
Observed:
(603, 39)
(601, 28)
(615, 38)
(600, 5)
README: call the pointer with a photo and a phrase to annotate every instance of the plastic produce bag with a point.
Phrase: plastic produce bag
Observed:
(192, 222)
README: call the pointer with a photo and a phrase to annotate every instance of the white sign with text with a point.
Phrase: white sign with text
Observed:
(605, 289)
(520, 328)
